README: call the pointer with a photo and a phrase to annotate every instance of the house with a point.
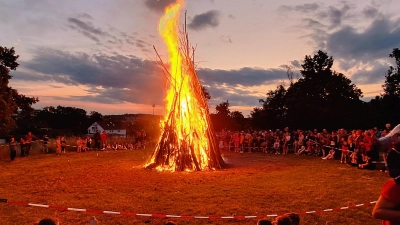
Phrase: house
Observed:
(111, 128)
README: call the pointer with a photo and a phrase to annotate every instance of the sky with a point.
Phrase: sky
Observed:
(99, 55)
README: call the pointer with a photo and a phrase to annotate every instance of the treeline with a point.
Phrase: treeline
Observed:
(323, 98)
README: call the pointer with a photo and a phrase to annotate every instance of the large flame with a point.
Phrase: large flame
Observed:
(183, 103)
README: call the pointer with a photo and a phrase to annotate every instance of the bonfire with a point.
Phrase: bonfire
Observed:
(187, 141)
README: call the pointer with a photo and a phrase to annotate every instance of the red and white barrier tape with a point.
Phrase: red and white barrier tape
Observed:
(176, 216)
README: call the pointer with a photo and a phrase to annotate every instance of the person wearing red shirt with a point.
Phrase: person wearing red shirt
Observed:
(387, 207)
(103, 138)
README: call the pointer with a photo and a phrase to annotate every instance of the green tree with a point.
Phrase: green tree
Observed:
(322, 97)
(275, 108)
(392, 82)
(390, 99)
(65, 118)
(206, 94)
(237, 120)
(12, 104)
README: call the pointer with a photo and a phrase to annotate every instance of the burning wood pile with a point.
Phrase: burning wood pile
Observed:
(187, 142)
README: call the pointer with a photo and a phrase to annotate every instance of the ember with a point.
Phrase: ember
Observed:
(187, 142)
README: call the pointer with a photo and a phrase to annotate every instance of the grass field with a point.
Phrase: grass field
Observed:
(252, 184)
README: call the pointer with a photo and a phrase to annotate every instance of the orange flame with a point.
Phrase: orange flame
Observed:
(182, 103)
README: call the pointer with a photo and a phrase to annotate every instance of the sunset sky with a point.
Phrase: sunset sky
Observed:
(98, 54)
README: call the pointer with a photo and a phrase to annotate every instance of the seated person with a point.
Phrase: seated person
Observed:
(330, 155)
(354, 158)
(114, 146)
(367, 164)
(304, 151)
(138, 145)
(130, 146)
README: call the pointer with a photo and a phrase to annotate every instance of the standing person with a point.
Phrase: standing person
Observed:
(79, 144)
(103, 138)
(63, 144)
(58, 145)
(45, 147)
(13, 149)
(28, 144)
(23, 147)
(97, 139)
(387, 206)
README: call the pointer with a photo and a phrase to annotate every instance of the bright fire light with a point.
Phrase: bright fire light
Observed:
(187, 142)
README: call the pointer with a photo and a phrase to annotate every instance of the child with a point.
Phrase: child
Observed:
(345, 150)
(354, 158)
(130, 146)
(277, 146)
(79, 144)
(23, 147)
(138, 145)
(88, 143)
(58, 145)
(13, 149)
(83, 145)
(367, 163)
(63, 144)
(115, 146)
(236, 141)
(331, 154)
(286, 142)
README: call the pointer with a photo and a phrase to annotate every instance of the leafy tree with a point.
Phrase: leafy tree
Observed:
(95, 116)
(320, 98)
(223, 109)
(65, 118)
(389, 102)
(275, 107)
(12, 104)
(392, 82)
(206, 94)
(238, 120)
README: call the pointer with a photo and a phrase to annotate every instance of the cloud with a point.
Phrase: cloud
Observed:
(158, 5)
(370, 12)
(204, 20)
(248, 77)
(55, 86)
(371, 76)
(87, 29)
(304, 8)
(375, 42)
(113, 79)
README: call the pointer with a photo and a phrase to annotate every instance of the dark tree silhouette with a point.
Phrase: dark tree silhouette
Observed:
(320, 98)
(206, 94)
(12, 104)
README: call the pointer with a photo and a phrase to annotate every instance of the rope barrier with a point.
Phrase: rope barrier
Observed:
(162, 216)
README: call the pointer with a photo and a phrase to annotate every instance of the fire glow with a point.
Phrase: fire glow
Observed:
(187, 142)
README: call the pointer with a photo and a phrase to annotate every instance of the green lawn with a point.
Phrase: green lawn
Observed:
(252, 184)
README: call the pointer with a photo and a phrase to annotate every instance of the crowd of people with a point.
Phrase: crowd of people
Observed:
(99, 141)
(358, 148)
